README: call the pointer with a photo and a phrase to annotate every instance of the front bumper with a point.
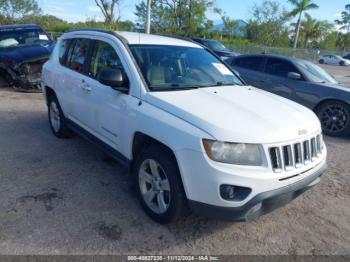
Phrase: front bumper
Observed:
(261, 203)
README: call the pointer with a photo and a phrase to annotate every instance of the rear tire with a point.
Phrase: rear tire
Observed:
(58, 122)
(335, 118)
(159, 185)
(321, 61)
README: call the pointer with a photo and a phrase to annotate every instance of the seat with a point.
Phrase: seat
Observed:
(156, 75)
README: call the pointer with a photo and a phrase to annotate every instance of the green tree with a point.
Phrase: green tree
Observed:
(108, 9)
(267, 24)
(344, 22)
(299, 7)
(230, 26)
(17, 9)
(343, 41)
(181, 17)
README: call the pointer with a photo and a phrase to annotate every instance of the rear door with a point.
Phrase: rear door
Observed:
(76, 89)
(250, 69)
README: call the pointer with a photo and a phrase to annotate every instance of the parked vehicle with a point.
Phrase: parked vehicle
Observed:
(187, 127)
(303, 82)
(333, 60)
(347, 57)
(23, 51)
(218, 48)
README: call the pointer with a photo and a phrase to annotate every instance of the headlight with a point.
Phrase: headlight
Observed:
(232, 153)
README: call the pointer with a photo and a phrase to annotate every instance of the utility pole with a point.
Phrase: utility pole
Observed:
(148, 18)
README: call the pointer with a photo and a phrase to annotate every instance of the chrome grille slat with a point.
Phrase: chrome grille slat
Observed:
(290, 156)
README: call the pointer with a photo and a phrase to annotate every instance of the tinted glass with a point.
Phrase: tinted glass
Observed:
(279, 67)
(178, 67)
(315, 73)
(77, 55)
(17, 38)
(214, 45)
(62, 50)
(252, 63)
(104, 56)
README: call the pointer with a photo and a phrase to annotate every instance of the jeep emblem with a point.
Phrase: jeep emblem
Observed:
(302, 132)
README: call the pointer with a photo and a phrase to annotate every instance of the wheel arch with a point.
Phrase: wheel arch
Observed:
(324, 101)
(141, 141)
(48, 91)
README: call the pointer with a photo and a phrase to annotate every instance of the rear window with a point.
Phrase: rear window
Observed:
(251, 63)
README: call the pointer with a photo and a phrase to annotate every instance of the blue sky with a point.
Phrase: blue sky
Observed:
(79, 10)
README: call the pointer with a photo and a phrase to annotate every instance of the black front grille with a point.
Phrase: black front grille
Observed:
(288, 157)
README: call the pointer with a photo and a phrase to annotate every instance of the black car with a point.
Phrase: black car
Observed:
(347, 56)
(23, 51)
(219, 49)
(302, 82)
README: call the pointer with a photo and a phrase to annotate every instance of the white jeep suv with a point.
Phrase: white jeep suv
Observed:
(191, 132)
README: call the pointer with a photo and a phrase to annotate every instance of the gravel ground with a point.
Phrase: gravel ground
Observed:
(67, 197)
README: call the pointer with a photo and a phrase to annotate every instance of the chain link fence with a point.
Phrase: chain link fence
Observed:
(308, 54)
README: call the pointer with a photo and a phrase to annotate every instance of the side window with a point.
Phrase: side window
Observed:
(63, 50)
(252, 63)
(103, 56)
(279, 67)
(77, 55)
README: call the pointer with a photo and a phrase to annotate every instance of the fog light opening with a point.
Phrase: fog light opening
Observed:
(228, 192)
(234, 193)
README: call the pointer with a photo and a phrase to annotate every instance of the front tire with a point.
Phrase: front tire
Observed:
(159, 186)
(57, 120)
(342, 63)
(321, 61)
(335, 118)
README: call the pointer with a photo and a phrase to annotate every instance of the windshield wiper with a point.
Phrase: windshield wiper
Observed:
(223, 83)
(175, 87)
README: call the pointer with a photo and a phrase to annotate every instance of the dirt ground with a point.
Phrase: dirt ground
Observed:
(66, 197)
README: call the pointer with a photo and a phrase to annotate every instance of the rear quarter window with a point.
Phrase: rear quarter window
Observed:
(62, 51)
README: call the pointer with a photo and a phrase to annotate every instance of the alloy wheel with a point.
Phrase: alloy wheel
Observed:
(55, 118)
(334, 118)
(154, 186)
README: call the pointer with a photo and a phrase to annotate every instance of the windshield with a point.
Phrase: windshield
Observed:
(177, 67)
(215, 45)
(315, 73)
(17, 38)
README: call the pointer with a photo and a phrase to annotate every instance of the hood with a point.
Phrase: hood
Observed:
(27, 53)
(240, 114)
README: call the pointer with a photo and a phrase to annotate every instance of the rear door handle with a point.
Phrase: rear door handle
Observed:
(86, 87)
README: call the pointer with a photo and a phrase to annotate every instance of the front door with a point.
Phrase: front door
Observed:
(277, 79)
(109, 107)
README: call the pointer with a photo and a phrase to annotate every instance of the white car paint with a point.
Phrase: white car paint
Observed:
(180, 120)
(334, 60)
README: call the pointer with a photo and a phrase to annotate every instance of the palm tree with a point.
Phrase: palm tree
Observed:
(300, 6)
(311, 29)
(345, 19)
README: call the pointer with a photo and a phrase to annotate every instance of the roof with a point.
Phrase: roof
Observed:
(145, 39)
(19, 27)
(294, 59)
(134, 38)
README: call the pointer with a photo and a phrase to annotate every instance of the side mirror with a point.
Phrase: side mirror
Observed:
(114, 78)
(294, 76)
